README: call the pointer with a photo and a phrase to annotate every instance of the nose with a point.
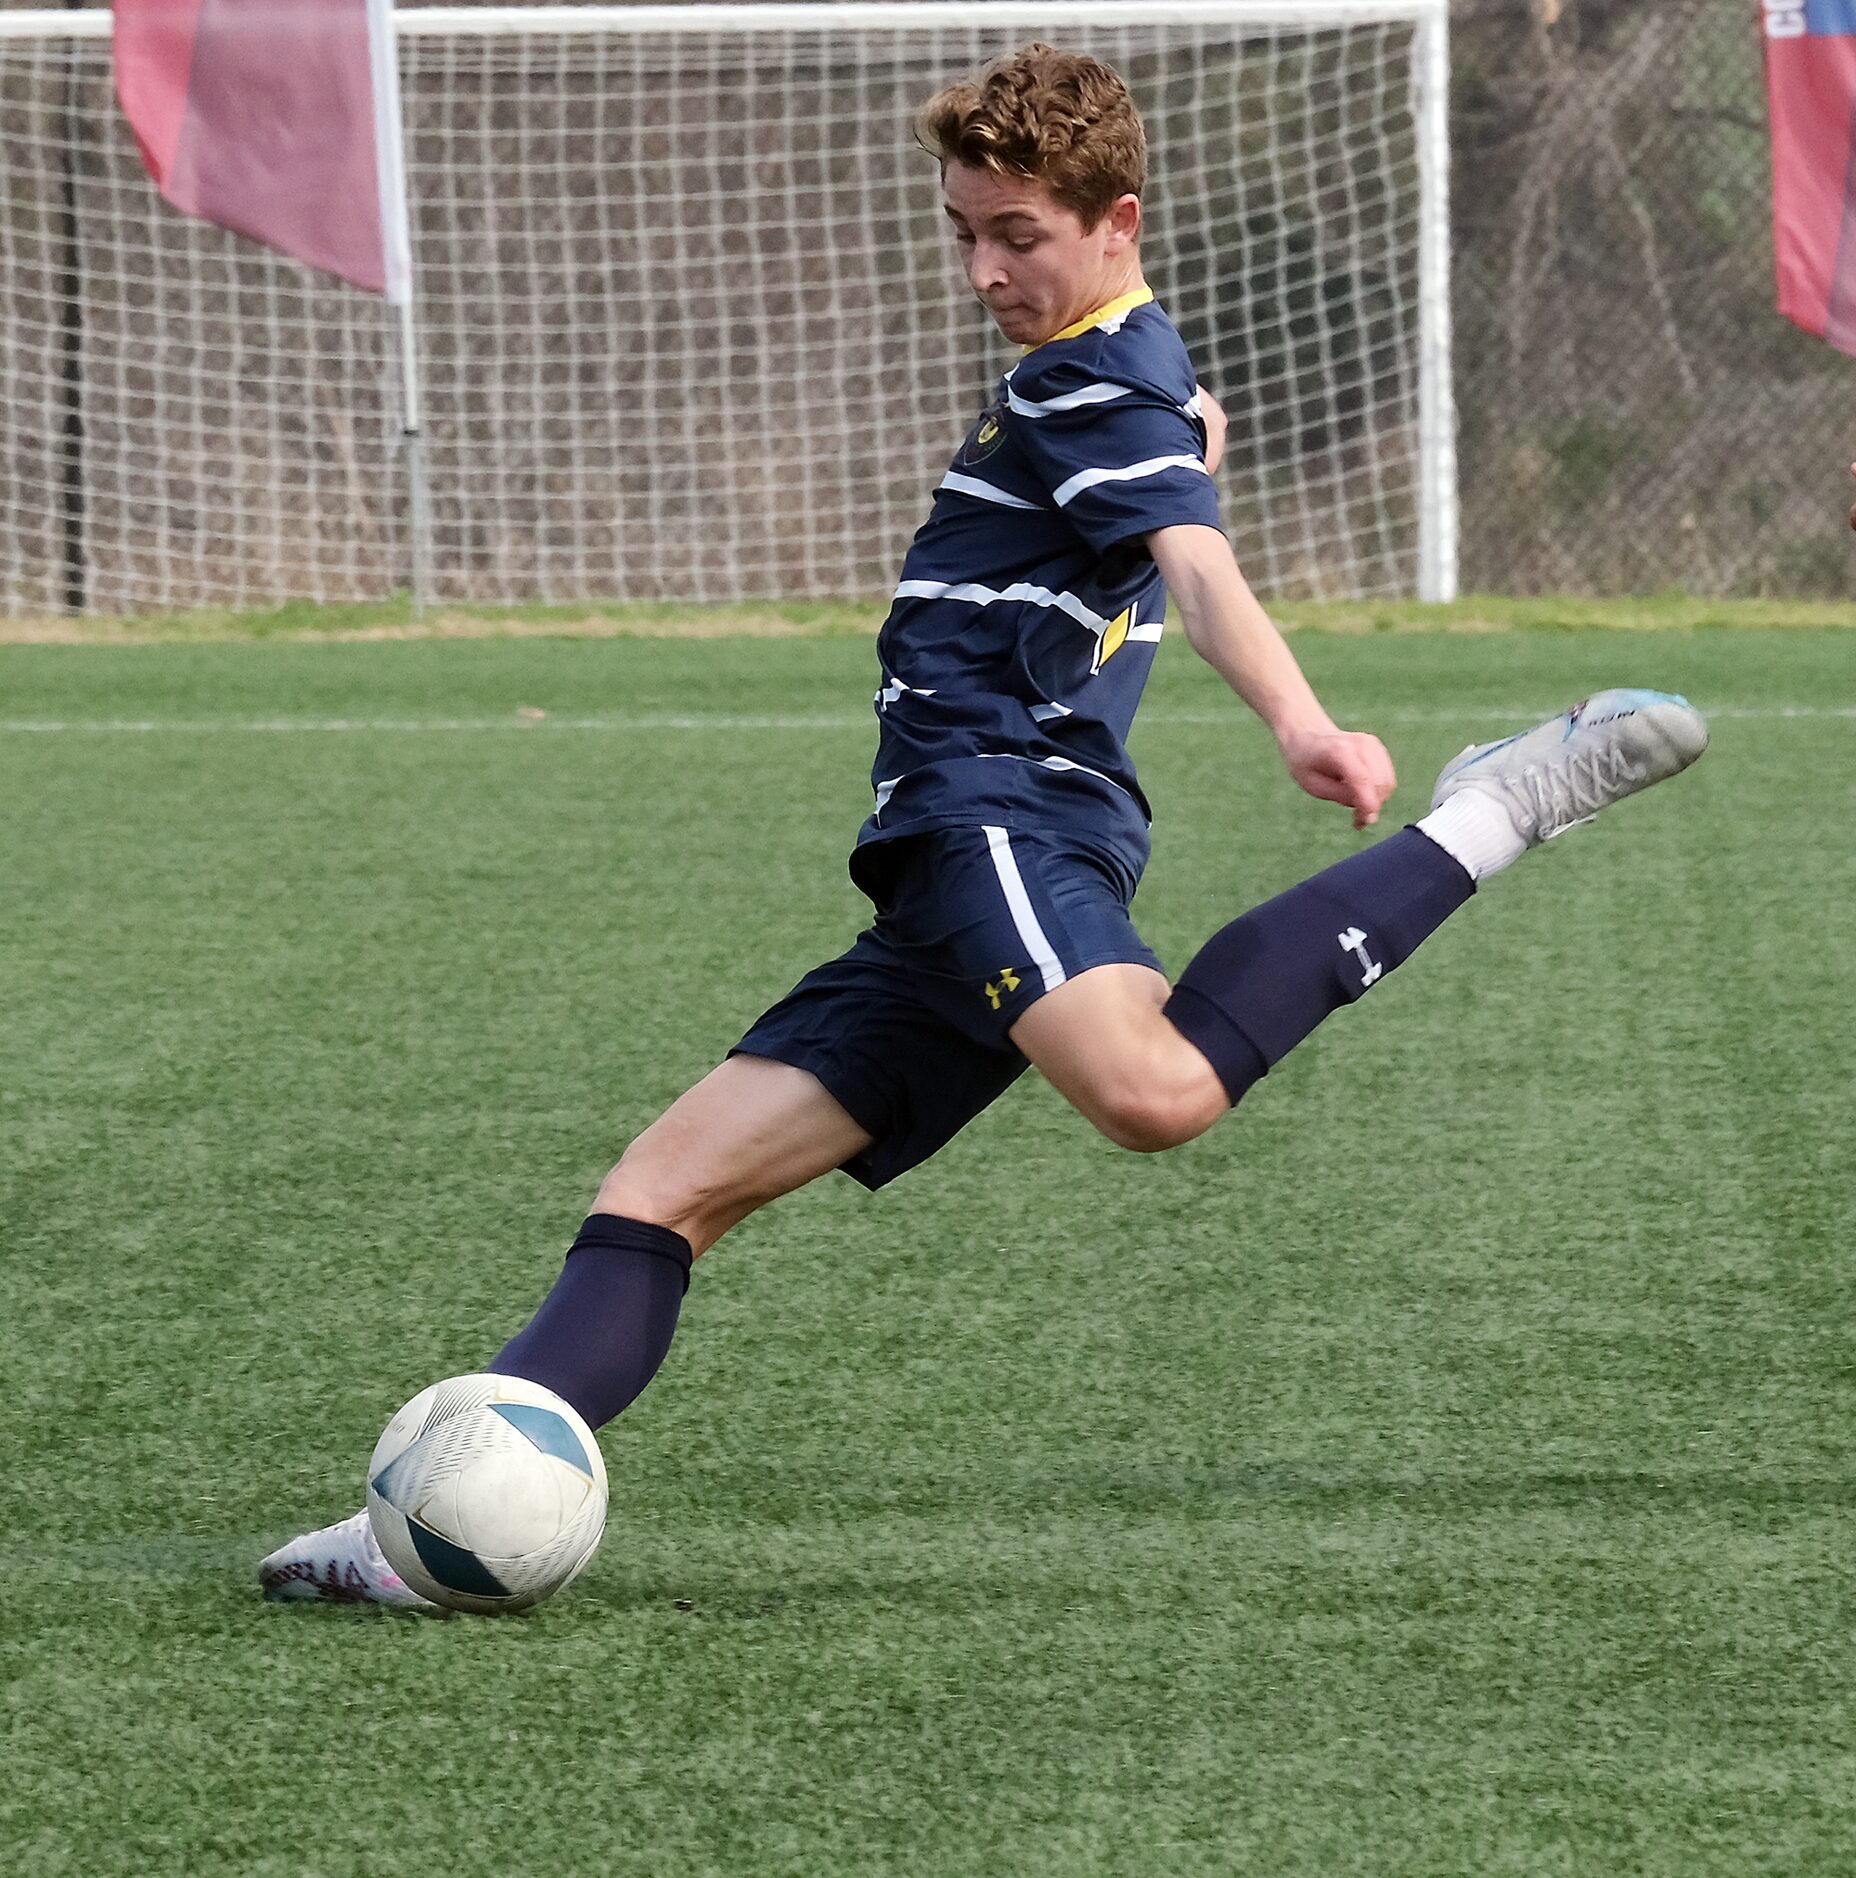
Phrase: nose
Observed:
(986, 270)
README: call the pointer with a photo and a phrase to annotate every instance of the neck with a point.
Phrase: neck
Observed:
(1125, 280)
(1133, 287)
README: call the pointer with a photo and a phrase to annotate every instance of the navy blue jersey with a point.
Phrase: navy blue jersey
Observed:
(1029, 608)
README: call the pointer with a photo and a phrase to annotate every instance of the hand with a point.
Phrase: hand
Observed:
(1211, 413)
(1346, 766)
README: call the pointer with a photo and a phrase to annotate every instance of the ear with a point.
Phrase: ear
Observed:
(1124, 224)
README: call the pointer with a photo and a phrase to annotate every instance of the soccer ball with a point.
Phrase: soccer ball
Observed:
(487, 1493)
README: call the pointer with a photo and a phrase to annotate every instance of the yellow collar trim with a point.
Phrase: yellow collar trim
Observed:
(1126, 304)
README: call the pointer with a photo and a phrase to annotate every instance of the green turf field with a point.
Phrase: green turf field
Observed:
(1443, 1467)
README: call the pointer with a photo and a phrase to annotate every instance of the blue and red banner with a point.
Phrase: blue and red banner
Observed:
(278, 119)
(1811, 90)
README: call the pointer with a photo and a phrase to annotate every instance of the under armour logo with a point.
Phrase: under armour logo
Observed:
(1008, 981)
(1354, 940)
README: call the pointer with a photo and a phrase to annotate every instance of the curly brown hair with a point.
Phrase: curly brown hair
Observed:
(1059, 118)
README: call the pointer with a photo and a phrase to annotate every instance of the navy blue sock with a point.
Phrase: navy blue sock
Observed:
(1259, 986)
(605, 1327)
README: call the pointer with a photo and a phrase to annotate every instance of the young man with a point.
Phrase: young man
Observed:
(1009, 831)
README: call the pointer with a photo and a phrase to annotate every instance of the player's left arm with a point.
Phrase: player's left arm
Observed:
(1211, 415)
(1228, 628)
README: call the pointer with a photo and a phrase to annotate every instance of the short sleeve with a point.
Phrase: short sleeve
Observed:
(1116, 459)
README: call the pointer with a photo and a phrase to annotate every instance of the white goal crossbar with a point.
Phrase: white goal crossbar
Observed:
(660, 245)
(923, 16)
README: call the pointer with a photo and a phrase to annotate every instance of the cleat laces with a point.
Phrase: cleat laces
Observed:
(1570, 791)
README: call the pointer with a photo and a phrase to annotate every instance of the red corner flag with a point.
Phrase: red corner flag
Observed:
(1811, 88)
(278, 119)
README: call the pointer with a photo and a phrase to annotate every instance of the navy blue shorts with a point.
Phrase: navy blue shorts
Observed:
(908, 1030)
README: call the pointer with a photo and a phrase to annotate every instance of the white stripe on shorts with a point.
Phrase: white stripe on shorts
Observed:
(1023, 917)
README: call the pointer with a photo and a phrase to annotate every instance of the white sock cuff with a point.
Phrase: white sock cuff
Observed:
(1475, 831)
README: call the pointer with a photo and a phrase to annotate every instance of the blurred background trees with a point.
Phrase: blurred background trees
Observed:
(1634, 413)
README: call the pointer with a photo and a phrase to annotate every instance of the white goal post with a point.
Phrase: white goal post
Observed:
(689, 326)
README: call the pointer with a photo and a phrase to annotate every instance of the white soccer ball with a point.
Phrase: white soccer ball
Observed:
(487, 1493)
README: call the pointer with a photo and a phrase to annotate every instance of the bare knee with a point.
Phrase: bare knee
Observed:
(1104, 1042)
(1152, 1117)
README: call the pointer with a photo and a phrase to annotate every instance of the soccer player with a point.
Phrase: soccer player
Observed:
(1009, 831)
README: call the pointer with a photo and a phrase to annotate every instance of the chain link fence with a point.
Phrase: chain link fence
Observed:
(1633, 413)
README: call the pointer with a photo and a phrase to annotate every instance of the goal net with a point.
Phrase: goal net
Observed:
(689, 325)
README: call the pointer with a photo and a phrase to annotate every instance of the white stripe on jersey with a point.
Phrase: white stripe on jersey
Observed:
(1050, 762)
(1135, 472)
(894, 688)
(974, 594)
(1024, 915)
(1153, 631)
(1098, 393)
(987, 492)
(1049, 713)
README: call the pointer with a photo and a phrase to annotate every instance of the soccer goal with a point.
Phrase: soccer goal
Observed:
(688, 324)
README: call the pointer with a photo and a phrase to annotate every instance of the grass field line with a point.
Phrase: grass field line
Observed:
(536, 720)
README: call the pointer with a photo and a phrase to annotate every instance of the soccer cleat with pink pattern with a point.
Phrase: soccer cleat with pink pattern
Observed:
(339, 1564)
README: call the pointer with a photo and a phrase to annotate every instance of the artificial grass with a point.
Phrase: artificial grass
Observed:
(1442, 1467)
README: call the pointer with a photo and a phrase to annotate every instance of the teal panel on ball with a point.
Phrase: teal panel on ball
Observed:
(386, 1482)
(550, 1432)
(454, 1567)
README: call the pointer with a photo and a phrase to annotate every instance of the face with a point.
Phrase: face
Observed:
(1030, 259)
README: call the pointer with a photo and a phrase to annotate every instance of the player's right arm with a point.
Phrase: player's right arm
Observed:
(1119, 456)
(1228, 628)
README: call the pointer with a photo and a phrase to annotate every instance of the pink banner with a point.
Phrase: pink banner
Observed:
(260, 115)
(1811, 90)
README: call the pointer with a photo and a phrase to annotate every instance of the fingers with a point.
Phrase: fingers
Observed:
(1370, 776)
(1352, 769)
(1326, 788)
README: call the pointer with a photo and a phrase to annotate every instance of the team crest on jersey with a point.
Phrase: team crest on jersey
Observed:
(987, 435)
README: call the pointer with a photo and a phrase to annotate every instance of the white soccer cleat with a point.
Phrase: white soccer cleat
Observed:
(339, 1564)
(1561, 773)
